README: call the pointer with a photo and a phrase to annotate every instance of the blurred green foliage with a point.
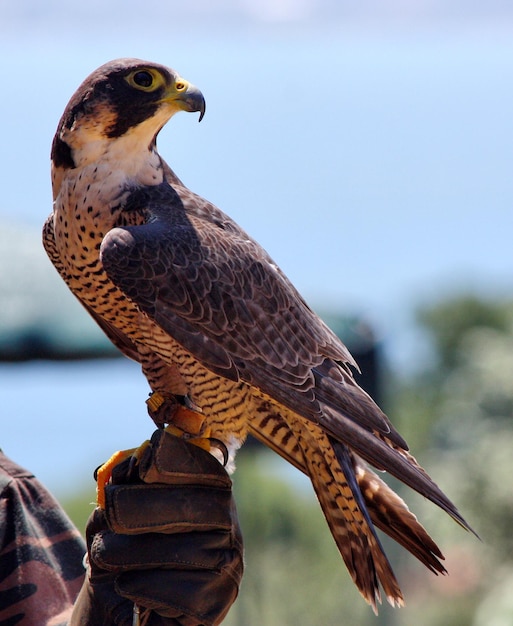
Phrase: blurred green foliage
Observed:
(456, 414)
(80, 506)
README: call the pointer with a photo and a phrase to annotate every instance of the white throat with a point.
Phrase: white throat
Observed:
(132, 153)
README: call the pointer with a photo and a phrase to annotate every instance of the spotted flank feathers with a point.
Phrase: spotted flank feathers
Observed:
(179, 287)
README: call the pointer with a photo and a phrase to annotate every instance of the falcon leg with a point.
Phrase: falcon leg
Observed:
(184, 420)
(210, 444)
(177, 410)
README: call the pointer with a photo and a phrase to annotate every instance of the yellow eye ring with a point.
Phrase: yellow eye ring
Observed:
(145, 79)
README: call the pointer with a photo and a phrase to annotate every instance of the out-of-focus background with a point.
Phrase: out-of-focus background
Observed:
(368, 147)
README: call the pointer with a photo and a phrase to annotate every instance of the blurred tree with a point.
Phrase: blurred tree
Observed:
(457, 415)
(449, 322)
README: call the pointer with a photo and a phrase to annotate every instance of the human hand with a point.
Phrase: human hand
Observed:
(168, 542)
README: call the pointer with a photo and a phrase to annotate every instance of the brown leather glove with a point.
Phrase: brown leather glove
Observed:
(168, 542)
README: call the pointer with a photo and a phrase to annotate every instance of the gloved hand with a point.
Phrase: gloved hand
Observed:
(168, 542)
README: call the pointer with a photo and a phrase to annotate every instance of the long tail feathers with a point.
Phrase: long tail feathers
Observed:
(383, 454)
(343, 506)
(390, 514)
(354, 499)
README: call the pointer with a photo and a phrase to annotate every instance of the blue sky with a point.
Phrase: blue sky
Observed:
(369, 151)
(372, 163)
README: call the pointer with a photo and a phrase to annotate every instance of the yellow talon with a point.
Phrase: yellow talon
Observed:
(104, 473)
(206, 442)
(187, 424)
(201, 442)
(174, 430)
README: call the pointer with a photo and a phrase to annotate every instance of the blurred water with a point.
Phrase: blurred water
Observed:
(62, 420)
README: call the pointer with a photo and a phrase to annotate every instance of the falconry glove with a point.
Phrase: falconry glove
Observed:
(168, 544)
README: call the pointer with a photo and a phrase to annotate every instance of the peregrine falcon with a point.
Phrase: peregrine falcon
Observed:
(215, 324)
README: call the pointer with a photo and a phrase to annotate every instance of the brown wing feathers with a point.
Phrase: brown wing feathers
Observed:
(183, 269)
(220, 296)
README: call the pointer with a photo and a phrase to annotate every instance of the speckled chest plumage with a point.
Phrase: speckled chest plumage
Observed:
(89, 202)
(87, 205)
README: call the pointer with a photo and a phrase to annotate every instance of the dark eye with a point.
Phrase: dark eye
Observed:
(143, 79)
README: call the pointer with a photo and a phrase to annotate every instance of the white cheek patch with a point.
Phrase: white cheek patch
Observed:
(129, 153)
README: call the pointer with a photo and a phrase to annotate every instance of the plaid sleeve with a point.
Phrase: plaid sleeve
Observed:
(41, 552)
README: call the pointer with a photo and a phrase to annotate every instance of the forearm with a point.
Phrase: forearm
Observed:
(40, 552)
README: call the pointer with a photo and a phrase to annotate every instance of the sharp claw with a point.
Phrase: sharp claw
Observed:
(217, 443)
(191, 405)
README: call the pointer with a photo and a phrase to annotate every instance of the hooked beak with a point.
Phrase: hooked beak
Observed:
(186, 97)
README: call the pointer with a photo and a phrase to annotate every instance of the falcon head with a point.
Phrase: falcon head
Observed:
(123, 103)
